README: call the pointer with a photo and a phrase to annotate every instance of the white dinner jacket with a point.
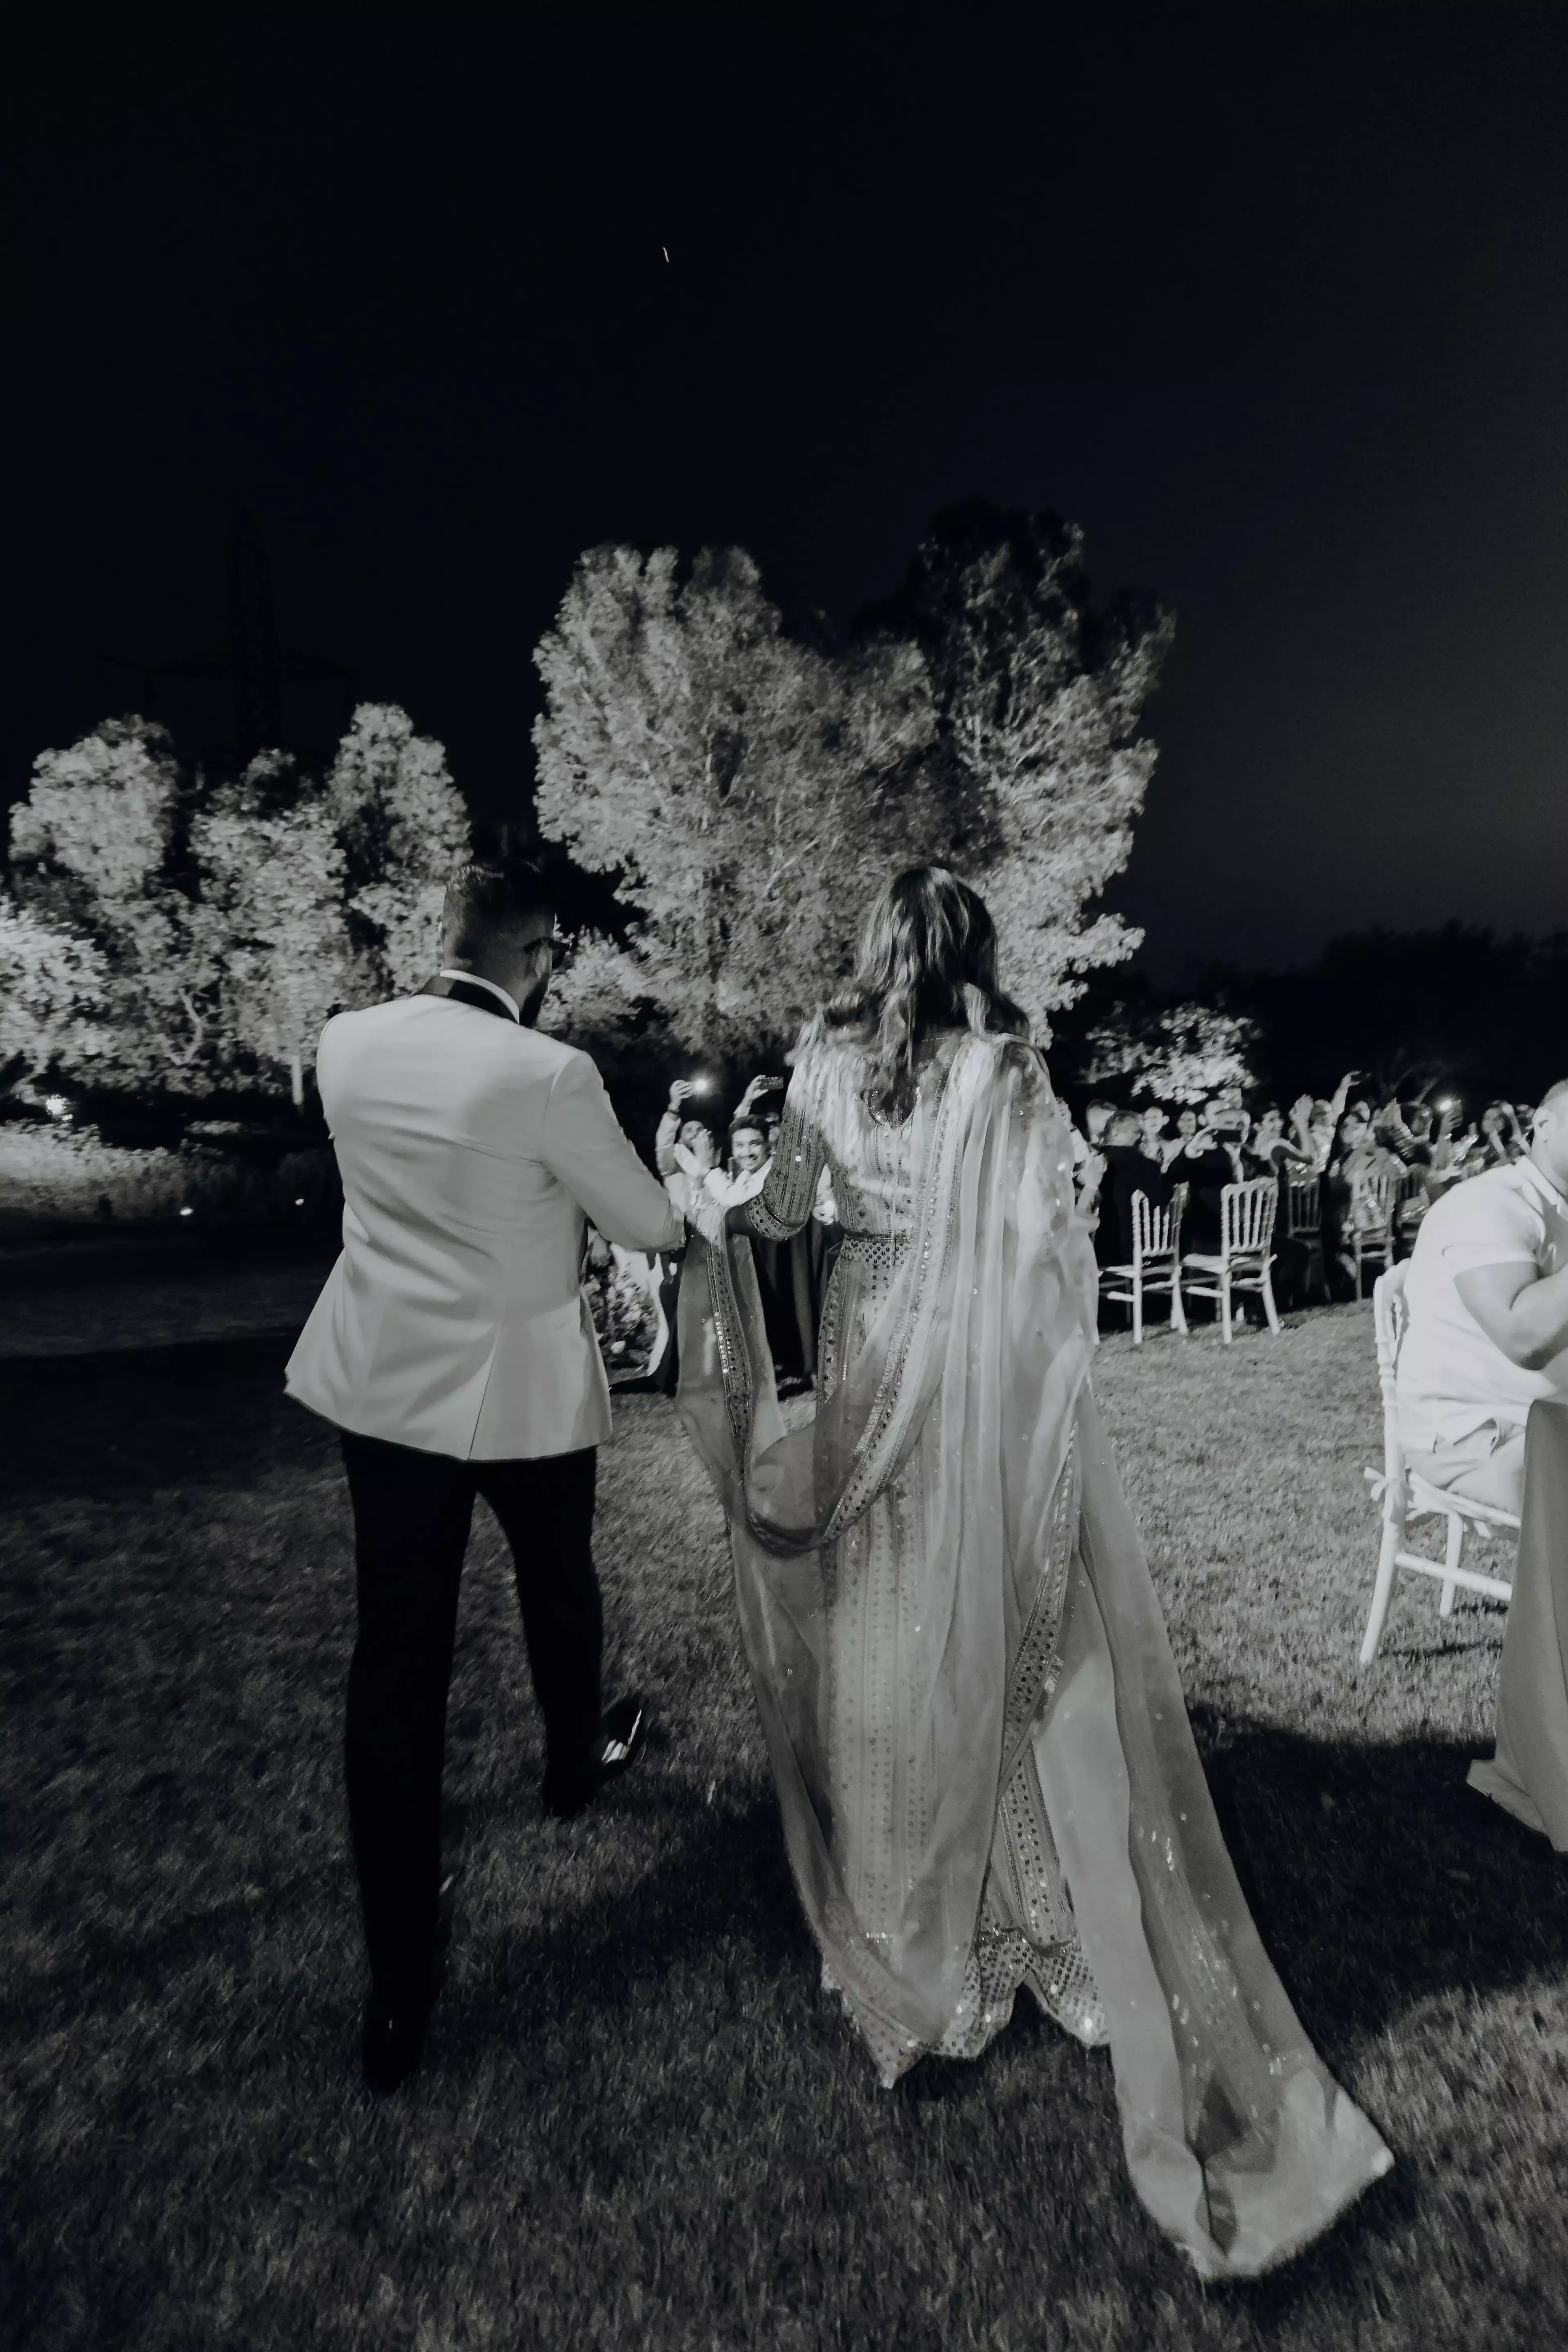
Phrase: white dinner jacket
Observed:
(470, 1149)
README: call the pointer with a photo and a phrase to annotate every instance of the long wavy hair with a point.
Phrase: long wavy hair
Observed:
(926, 961)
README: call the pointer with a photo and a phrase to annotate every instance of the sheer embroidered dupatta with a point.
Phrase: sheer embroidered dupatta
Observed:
(1035, 1632)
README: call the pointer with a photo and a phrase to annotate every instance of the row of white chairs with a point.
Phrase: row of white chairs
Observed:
(1160, 1267)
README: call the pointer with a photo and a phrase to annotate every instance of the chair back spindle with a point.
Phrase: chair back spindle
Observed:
(1303, 1214)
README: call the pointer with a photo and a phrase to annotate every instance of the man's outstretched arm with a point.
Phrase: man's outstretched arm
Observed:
(584, 1145)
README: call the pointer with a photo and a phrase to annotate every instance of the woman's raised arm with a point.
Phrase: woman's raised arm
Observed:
(783, 1205)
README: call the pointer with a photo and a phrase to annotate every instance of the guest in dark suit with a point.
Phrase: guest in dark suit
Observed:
(1128, 1169)
(1206, 1163)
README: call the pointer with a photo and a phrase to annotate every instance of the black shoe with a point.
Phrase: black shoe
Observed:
(393, 2041)
(616, 1745)
(394, 2037)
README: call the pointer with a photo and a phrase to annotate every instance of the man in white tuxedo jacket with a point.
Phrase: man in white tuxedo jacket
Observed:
(453, 1349)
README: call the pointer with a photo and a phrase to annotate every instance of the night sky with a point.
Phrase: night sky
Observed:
(1273, 300)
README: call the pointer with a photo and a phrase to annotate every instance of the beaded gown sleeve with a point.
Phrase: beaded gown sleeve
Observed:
(783, 1205)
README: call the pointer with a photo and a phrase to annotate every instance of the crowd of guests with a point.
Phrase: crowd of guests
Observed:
(1344, 1144)
(1474, 1357)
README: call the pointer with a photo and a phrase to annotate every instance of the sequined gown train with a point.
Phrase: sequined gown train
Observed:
(984, 1768)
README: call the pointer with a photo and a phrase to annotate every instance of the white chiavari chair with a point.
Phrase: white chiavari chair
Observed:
(1373, 1202)
(1153, 1267)
(1244, 1254)
(1403, 1495)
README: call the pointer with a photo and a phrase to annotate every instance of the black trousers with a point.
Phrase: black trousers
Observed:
(411, 1516)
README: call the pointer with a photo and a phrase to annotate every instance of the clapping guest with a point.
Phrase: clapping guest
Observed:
(698, 1137)
(678, 1125)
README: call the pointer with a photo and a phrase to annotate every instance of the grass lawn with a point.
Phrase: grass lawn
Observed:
(639, 2122)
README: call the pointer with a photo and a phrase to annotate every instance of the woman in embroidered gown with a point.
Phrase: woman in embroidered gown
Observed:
(978, 1736)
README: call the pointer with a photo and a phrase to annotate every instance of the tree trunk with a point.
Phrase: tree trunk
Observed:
(296, 1081)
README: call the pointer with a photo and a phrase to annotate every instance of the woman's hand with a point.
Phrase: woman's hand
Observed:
(1090, 1177)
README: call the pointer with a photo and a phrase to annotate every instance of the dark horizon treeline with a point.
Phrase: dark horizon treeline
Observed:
(1456, 1009)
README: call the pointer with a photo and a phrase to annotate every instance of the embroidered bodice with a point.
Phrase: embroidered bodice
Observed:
(827, 1123)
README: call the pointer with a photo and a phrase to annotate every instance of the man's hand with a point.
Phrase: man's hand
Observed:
(681, 1091)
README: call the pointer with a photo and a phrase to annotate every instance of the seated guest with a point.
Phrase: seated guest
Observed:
(1128, 1169)
(1315, 1121)
(1088, 1167)
(1172, 1146)
(1501, 1141)
(1205, 1164)
(1322, 1120)
(1349, 1205)
(1486, 1295)
(1153, 1121)
(1269, 1150)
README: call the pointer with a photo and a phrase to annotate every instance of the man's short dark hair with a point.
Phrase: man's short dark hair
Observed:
(497, 894)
